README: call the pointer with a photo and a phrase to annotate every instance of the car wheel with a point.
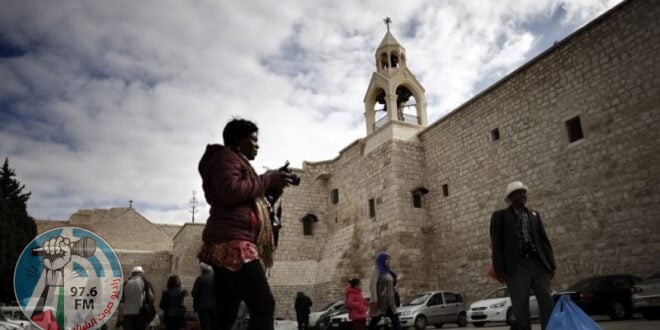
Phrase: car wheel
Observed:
(478, 324)
(438, 325)
(462, 320)
(420, 322)
(618, 311)
(509, 316)
(651, 314)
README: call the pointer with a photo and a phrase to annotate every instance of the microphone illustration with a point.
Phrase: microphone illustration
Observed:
(84, 247)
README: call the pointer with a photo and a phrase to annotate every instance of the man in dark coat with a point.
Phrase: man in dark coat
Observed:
(303, 305)
(522, 255)
(203, 297)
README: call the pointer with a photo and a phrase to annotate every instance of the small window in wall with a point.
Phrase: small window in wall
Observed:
(495, 134)
(308, 224)
(574, 129)
(334, 196)
(445, 190)
(417, 196)
(372, 208)
(417, 200)
(307, 228)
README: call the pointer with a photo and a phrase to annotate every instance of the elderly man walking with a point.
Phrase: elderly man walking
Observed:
(522, 255)
(137, 292)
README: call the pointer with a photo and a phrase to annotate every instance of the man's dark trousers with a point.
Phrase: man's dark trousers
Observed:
(205, 316)
(530, 276)
(134, 322)
(303, 321)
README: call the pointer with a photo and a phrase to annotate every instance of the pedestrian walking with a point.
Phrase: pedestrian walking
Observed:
(238, 236)
(522, 255)
(356, 304)
(203, 297)
(137, 298)
(303, 305)
(171, 303)
(381, 287)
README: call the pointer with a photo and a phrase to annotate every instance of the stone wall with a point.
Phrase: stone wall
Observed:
(599, 196)
(135, 240)
(112, 225)
(184, 257)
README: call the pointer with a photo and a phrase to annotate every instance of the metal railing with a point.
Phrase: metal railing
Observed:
(404, 117)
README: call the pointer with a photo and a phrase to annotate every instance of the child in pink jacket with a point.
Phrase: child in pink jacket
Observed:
(356, 304)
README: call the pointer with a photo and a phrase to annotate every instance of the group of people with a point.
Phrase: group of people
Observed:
(384, 297)
(522, 258)
(238, 242)
(138, 298)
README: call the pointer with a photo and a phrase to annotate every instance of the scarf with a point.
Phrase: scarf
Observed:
(380, 263)
(265, 241)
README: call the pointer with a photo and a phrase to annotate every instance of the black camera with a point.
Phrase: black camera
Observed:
(295, 178)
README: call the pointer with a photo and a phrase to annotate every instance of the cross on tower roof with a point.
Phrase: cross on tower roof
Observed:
(388, 21)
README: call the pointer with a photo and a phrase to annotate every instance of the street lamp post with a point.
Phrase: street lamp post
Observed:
(193, 205)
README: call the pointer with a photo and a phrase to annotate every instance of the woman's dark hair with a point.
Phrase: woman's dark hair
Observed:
(236, 130)
(354, 282)
(173, 282)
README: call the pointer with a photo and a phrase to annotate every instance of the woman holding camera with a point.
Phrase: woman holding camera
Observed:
(238, 236)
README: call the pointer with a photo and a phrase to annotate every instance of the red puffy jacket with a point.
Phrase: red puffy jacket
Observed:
(230, 187)
(356, 304)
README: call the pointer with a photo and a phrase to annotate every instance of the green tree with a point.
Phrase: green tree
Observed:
(16, 227)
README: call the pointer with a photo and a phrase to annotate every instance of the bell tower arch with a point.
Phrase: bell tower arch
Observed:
(394, 96)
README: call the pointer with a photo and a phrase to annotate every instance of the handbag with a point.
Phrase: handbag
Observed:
(567, 315)
(148, 309)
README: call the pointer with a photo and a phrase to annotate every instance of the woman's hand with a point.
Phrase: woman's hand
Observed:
(280, 180)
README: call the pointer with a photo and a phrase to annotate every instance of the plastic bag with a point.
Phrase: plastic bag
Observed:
(568, 316)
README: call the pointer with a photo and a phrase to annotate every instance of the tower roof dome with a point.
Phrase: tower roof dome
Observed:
(389, 40)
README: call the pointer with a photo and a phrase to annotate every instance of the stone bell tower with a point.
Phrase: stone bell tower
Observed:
(395, 102)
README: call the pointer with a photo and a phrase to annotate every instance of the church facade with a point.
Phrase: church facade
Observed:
(578, 124)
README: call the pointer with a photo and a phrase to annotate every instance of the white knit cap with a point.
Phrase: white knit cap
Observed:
(513, 186)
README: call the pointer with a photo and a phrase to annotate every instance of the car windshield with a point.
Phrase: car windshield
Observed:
(499, 293)
(654, 276)
(417, 300)
(326, 307)
(583, 284)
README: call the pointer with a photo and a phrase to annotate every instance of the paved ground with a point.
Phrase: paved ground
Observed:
(634, 324)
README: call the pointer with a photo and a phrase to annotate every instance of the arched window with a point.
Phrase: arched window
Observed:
(308, 223)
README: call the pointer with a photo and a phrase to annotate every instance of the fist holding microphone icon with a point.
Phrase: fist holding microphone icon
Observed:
(57, 253)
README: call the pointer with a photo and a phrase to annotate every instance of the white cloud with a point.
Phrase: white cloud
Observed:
(116, 100)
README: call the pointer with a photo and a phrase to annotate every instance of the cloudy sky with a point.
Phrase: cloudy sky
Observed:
(102, 102)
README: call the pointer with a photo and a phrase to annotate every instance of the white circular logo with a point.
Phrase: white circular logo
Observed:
(68, 278)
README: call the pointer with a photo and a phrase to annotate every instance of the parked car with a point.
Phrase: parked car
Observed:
(435, 307)
(13, 315)
(605, 295)
(322, 314)
(324, 321)
(646, 297)
(341, 321)
(496, 307)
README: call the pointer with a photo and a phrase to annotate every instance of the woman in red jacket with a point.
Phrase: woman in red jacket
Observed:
(356, 304)
(238, 236)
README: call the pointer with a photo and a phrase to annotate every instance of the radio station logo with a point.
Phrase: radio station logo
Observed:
(68, 278)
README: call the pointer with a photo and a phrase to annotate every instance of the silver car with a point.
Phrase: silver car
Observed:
(434, 307)
(646, 297)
